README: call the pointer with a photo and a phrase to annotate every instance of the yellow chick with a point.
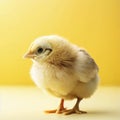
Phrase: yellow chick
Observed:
(63, 70)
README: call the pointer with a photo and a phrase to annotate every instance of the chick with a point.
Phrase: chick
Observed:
(63, 70)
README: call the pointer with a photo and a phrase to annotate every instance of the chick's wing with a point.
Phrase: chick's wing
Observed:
(86, 67)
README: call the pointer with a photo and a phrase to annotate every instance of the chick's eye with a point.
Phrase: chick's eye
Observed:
(39, 50)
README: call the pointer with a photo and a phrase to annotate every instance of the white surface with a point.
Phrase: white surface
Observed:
(28, 103)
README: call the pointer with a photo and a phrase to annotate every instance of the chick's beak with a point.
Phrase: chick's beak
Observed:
(29, 55)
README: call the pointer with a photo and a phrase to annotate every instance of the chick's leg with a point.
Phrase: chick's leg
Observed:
(75, 109)
(60, 109)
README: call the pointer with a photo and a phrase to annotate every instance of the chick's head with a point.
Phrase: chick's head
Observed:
(46, 47)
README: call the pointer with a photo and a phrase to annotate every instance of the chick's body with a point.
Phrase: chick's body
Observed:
(65, 82)
(66, 71)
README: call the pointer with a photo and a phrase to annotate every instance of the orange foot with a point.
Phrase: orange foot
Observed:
(60, 109)
(72, 111)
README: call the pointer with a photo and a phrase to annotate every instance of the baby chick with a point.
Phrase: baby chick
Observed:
(63, 70)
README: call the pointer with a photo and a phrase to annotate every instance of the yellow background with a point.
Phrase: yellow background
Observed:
(92, 24)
